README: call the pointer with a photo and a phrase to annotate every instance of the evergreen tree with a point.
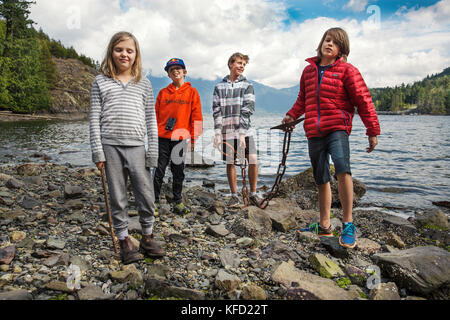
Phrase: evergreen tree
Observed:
(16, 14)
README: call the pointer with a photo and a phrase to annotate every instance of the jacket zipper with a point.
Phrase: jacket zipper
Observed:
(318, 85)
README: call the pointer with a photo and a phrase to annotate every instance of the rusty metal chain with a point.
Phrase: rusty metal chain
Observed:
(287, 128)
(280, 172)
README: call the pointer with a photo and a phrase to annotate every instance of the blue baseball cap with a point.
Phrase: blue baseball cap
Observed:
(174, 62)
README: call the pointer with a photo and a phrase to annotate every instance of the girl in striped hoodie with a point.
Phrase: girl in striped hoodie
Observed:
(122, 114)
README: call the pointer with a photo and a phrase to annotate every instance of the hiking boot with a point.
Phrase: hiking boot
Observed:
(128, 252)
(233, 202)
(180, 208)
(348, 236)
(255, 200)
(150, 247)
(317, 229)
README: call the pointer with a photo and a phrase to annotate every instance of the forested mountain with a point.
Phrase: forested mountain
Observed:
(27, 70)
(429, 96)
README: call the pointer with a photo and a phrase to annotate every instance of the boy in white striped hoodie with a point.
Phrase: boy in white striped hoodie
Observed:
(122, 114)
(233, 104)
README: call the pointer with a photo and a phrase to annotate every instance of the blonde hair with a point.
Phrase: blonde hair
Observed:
(109, 69)
(340, 37)
(237, 55)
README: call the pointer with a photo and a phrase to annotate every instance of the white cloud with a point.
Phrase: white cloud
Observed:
(206, 32)
(356, 5)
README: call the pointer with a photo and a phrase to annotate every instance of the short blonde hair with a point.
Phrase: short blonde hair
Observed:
(340, 37)
(237, 55)
(108, 67)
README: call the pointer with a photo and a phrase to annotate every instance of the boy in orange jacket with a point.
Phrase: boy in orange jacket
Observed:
(179, 115)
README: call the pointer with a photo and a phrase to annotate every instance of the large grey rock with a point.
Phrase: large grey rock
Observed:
(7, 254)
(385, 291)
(432, 219)
(229, 258)
(91, 292)
(311, 286)
(226, 281)
(303, 189)
(164, 290)
(16, 295)
(422, 270)
(72, 192)
(282, 212)
(217, 230)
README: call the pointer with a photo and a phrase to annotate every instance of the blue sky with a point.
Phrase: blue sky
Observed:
(301, 10)
(392, 42)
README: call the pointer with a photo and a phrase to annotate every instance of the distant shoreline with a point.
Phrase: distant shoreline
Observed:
(8, 116)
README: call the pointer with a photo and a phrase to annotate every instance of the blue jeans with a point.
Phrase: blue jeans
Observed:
(336, 145)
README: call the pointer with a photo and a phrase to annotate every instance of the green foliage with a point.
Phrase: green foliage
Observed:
(429, 96)
(343, 282)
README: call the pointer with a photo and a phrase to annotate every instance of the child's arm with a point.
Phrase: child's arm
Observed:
(94, 124)
(360, 97)
(217, 112)
(247, 109)
(298, 108)
(196, 125)
(151, 160)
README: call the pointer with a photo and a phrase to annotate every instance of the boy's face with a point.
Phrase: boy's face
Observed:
(124, 55)
(176, 73)
(330, 49)
(237, 67)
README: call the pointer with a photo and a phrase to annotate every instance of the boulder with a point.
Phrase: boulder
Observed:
(229, 258)
(327, 268)
(16, 295)
(217, 230)
(308, 285)
(29, 169)
(7, 254)
(385, 291)
(129, 273)
(282, 212)
(91, 292)
(164, 290)
(253, 292)
(72, 192)
(432, 219)
(294, 187)
(226, 281)
(422, 270)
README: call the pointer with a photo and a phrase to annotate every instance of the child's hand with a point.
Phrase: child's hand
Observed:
(373, 141)
(100, 165)
(288, 119)
(217, 141)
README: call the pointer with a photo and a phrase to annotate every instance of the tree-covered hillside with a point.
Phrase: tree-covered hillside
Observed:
(27, 72)
(429, 96)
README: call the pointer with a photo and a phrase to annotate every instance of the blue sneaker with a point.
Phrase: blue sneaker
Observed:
(348, 236)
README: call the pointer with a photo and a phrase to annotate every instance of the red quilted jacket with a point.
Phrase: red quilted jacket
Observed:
(331, 106)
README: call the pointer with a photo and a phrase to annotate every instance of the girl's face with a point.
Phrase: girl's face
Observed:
(330, 50)
(124, 55)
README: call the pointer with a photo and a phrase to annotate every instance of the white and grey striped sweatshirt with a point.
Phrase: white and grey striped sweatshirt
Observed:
(233, 104)
(123, 115)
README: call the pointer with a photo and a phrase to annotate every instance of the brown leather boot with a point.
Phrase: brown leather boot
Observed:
(128, 252)
(150, 247)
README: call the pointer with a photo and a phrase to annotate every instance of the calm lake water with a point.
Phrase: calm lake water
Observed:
(407, 171)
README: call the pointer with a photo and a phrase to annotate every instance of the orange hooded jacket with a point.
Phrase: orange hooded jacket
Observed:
(184, 105)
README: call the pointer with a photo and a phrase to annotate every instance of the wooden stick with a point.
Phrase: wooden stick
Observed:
(108, 210)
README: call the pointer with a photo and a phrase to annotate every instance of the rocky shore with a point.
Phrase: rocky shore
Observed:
(53, 221)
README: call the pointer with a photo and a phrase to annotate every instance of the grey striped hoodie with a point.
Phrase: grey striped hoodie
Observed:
(233, 104)
(123, 115)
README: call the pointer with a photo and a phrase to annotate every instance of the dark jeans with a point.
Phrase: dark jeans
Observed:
(176, 157)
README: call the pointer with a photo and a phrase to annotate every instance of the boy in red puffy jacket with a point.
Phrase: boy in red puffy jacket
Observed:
(330, 89)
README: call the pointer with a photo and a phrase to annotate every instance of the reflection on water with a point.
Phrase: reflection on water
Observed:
(409, 167)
